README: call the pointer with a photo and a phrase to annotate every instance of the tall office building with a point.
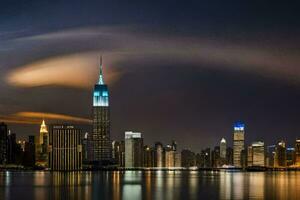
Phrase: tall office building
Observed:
(229, 156)
(270, 155)
(3, 143)
(250, 156)
(133, 149)
(100, 151)
(159, 156)
(41, 146)
(118, 153)
(297, 153)
(188, 158)
(223, 147)
(280, 155)
(65, 148)
(238, 143)
(290, 156)
(258, 154)
(148, 156)
(29, 154)
(169, 157)
(11, 148)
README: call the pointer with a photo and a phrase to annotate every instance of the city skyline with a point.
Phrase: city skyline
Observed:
(222, 68)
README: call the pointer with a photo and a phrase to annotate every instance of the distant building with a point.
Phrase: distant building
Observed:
(229, 156)
(188, 158)
(177, 159)
(270, 155)
(100, 151)
(238, 143)
(258, 154)
(29, 153)
(290, 156)
(250, 156)
(148, 156)
(216, 160)
(206, 158)
(280, 155)
(85, 148)
(223, 147)
(297, 153)
(65, 148)
(133, 149)
(169, 157)
(159, 155)
(11, 148)
(41, 146)
(3, 143)
(118, 153)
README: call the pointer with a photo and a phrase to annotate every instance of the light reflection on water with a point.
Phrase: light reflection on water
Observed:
(149, 185)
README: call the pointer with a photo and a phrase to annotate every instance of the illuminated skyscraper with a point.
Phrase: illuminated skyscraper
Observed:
(159, 157)
(258, 154)
(100, 151)
(41, 146)
(297, 153)
(280, 155)
(65, 148)
(133, 149)
(238, 143)
(223, 149)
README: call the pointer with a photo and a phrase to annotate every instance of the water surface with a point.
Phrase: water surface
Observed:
(133, 185)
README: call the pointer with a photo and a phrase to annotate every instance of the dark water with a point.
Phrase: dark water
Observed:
(149, 185)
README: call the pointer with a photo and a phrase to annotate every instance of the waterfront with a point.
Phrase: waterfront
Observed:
(149, 185)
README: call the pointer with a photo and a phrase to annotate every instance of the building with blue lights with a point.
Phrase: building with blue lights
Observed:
(238, 143)
(99, 140)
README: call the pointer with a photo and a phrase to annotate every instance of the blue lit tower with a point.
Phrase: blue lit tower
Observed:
(100, 149)
(238, 143)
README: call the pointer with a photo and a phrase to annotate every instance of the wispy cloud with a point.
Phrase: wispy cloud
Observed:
(78, 69)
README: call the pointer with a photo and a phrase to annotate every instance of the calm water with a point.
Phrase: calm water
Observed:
(150, 185)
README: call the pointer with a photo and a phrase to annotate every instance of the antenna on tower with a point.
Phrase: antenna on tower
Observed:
(101, 82)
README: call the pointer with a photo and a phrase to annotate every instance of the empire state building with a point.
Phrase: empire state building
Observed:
(100, 149)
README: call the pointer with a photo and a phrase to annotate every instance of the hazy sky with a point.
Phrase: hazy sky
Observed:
(176, 70)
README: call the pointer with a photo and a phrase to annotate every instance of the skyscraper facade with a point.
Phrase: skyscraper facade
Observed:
(280, 155)
(133, 149)
(65, 148)
(3, 143)
(41, 146)
(159, 156)
(100, 149)
(223, 147)
(238, 143)
(258, 154)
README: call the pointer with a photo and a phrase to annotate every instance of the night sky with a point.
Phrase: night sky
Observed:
(176, 70)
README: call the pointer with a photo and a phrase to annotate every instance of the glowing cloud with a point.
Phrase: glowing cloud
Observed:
(76, 70)
(52, 116)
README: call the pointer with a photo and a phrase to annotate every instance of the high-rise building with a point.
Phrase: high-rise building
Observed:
(65, 148)
(297, 153)
(159, 156)
(188, 158)
(280, 155)
(270, 155)
(290, 156)
(3, 143)
(223, 147)
(215, 155)
(206, 158)
(41, 146)
(250, 156)
(29, 154)
(258, 154)
(100, 151)
(177, 159)
(133, 149)
(169, 156)
(148, 156)
(11, 148)
(238, 143)
(229, 156)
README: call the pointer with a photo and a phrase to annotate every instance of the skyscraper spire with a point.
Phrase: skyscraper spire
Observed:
(101, 82)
